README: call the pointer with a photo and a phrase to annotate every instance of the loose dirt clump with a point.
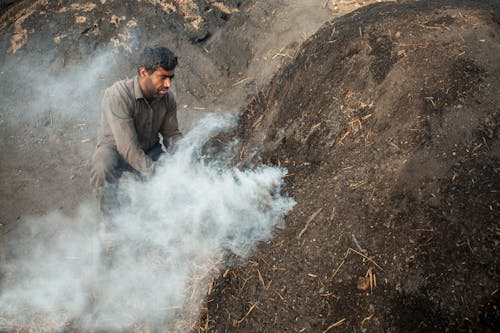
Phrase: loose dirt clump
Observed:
(387, 122)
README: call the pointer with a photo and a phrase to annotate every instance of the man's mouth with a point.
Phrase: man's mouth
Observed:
(162, 91)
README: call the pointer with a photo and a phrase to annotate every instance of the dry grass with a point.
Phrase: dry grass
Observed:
(187, 8)
(347, 6)
(223, 8)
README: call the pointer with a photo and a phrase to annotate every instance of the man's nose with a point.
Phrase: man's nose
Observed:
(167, 83)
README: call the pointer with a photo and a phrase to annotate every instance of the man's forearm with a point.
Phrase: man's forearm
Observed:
(138, 159)
(171, 141)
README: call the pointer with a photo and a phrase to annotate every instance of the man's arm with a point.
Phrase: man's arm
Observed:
(170, 128)
(119, 116)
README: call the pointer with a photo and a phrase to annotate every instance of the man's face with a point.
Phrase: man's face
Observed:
(157, 83)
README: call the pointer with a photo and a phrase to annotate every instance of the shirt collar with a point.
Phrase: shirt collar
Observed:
(137, 88)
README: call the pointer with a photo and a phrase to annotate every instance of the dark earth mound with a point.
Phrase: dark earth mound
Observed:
(387, 122)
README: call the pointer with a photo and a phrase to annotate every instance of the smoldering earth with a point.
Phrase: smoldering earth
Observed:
(172, 232)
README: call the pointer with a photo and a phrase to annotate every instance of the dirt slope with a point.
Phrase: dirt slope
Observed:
(387, 122)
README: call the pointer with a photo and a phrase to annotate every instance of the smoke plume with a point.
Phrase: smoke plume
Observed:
(172, 232)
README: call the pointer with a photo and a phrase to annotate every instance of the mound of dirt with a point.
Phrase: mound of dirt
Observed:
(387, 121)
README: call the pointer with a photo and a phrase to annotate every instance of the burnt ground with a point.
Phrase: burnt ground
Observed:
(386, 119)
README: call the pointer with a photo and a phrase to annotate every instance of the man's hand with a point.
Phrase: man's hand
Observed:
(153, 169)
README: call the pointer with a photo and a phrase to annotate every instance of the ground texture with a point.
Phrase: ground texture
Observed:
(386, 119)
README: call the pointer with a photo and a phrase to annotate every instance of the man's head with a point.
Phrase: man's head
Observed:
(156, 71)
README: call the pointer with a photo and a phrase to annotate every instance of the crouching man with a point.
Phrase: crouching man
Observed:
(135, 112)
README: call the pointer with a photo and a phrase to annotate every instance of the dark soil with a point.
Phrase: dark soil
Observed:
(387, 122)
(386, 119)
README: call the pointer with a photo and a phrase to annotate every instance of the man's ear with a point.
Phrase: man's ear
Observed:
(143, 72)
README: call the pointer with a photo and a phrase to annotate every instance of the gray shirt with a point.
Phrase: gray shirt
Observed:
(132, 123)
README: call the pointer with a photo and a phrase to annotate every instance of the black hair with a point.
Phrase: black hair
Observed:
(153, 58)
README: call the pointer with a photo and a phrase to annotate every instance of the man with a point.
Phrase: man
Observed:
(134, 112)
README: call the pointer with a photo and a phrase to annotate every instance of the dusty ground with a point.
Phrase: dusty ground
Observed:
(386, 119)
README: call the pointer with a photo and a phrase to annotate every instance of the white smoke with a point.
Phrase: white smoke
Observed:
(172, 233)
(31, 92)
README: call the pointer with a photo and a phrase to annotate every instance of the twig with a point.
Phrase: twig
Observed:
(333, 213)
(338, 268)
(261, 279)
(249, 310)
(241, 81)
(366, 319)
(349, 250)
(269, 284)
(279, 53)
(367, 258)
(439, 28)
(371, 196)
(313, 216)
(242, 153)
(344, 136)
(338, 323)
(423, 45)
(282, 55)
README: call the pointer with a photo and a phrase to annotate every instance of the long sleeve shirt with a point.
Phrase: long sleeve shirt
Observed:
(132, 123)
